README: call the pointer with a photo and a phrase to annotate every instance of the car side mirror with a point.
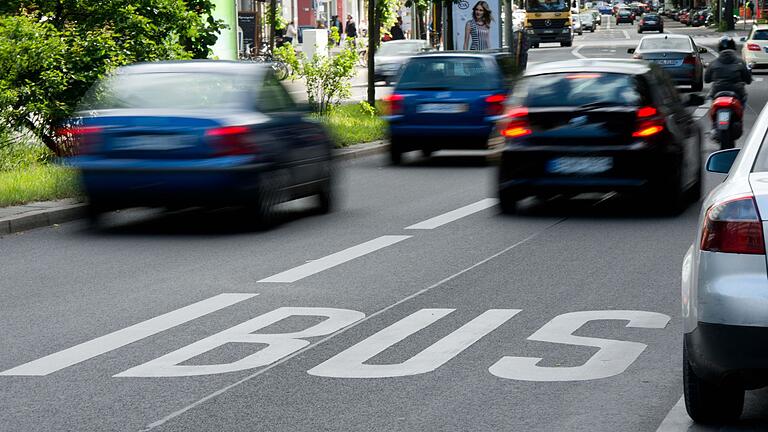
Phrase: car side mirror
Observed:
(743, 39)
(721, 161)
(631, 51)
(702, 50)
(694, 99)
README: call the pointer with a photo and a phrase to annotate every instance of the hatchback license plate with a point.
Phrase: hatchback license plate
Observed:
(153, 142)
(666, 62)
(579, 165)
(442, 108)
(723, 119)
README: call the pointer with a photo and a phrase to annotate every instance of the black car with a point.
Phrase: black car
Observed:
(650, 22)
(599, 126)
(625, 16)
(698, 18)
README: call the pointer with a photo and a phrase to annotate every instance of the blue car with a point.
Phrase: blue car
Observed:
(447, 101)
(197, 134)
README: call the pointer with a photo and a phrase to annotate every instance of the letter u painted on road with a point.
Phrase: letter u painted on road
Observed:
(613, 358)
(279, 345)
(349, 363)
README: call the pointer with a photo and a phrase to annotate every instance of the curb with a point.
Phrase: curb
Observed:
(38, 217)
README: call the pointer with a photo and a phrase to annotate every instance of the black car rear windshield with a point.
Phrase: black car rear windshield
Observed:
(760, 35)
(180, 90)
(449, 73)
(578, 89)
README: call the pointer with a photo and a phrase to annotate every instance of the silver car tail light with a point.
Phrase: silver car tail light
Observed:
(733, 226)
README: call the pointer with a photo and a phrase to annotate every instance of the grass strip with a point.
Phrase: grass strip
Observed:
(42, 182)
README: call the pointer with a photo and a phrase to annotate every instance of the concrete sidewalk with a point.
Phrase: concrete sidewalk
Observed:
(40, 214)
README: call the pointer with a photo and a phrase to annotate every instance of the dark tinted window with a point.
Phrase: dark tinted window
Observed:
(449, 73)
(760, 35)
(575, 89)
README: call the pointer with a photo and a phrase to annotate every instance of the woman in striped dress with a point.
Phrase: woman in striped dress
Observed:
(477, 33)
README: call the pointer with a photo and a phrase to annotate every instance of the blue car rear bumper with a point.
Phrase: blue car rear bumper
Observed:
(435, 137)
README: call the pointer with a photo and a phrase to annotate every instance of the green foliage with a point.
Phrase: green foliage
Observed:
(287, 54)
(37, 183)
(367, 109)
(51, 51)
(333, 37)
(351, 124)
(16, 154)
(327, 77)
(274, 17)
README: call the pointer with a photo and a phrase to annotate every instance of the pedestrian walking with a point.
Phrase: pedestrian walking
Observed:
(290, 33)
(397, 31)
(351, 29)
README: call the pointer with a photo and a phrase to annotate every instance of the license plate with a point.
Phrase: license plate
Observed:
(549, 31)
(666, 62)
(579, 165)
(442, 108)
(651, 22)
(153, 142)
(723, 119)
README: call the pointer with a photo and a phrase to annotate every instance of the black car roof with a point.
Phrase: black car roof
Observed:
(623, 66)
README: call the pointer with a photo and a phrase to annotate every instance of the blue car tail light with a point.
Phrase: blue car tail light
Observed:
(231, 140)
(82, 139)
(495, 104)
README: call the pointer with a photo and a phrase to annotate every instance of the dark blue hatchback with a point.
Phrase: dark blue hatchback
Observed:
(197, 134)
(447, 101)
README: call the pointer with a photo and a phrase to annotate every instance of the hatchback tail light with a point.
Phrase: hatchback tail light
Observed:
(494, 104)
(649, 122)
(231, 140)
(515, 123)
(753, 47)
(84, 139)
(394, 104)
(689, 59)
(733, 226)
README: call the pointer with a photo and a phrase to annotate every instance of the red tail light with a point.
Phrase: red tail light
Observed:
(394, 103)
(753, 47)
(84, 138)
(689, 59)
(231, 140)
(733, 227)
(649, 122)
(495, 104)
(515, 123)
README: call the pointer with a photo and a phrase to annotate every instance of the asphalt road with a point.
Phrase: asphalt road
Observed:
(414, 306)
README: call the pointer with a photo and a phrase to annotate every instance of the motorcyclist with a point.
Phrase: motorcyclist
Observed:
(728, 72)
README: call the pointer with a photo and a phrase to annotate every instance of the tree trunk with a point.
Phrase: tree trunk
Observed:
(372, 38)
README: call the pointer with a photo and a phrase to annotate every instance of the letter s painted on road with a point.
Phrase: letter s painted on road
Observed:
(613, 358)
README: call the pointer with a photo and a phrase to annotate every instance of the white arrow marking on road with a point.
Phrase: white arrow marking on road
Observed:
(575, 52)
(324, 263)
(350, 362)
(677, 420)
(453, 215)
(114, 340)
(626, 35)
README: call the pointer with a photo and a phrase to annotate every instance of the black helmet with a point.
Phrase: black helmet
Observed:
(726, 43)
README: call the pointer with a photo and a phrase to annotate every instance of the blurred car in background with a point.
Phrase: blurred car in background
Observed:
(392, 55)
(698, 17)
(624, 16)
(576, 24)
(677, 54)
(597, 17)
(754, 51)
(599, 126)
(197, 134)
(683, 16)
(605, 10)
(724, 285)
(650, 22)
(447, 100)
(587, 22)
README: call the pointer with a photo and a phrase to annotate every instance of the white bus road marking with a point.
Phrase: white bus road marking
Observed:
(454, 215)
(677, 420)
(575, 52)
(329, 261)
(350, 363)
(95, 347)
(266, 369)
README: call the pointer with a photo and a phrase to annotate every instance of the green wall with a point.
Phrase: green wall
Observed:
(226, 45)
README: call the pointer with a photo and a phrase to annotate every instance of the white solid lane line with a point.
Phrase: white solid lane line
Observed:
(117, 339)
(453, 215)
(324, 263)
(677, 420)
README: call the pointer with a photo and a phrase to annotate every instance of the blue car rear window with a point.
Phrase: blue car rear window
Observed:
(449, 73)
(577, 89)
(172, 90)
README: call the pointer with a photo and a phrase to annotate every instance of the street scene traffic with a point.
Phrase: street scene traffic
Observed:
(560, 226)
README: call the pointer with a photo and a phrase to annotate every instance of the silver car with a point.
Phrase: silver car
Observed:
(725, 285)
(391, 56)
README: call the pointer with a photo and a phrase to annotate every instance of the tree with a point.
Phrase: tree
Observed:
(51, 51)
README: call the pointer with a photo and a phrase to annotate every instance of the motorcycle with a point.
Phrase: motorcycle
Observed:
(726, 114)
